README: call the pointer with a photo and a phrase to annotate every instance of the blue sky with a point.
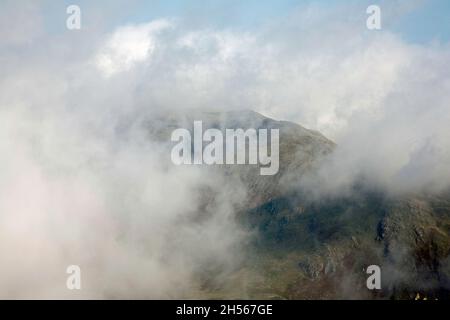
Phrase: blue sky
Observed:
(424, 21)
(430, 20)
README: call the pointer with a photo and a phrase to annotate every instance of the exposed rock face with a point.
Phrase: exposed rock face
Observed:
(415, 235)
(319, 249)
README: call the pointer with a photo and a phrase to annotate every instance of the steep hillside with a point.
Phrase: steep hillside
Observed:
(318, 248)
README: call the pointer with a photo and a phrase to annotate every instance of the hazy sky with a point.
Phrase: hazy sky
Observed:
(422, 21)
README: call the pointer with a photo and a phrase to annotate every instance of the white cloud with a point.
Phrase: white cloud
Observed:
(80, 184)
(128, 46)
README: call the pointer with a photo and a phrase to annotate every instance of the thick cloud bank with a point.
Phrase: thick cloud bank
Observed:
(81, 184)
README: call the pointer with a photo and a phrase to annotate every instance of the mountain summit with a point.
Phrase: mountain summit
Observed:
(318, 247)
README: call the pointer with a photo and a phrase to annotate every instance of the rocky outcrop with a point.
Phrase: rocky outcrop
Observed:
(320, 248)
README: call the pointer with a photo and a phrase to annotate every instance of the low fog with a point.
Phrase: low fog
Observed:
(81, 183)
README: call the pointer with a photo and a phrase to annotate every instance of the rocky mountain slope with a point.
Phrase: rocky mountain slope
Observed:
(318, 248)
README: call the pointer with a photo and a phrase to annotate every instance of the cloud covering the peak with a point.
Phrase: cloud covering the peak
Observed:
(78, 188)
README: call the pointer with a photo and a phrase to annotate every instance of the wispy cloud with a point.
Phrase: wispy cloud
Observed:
(74, 188)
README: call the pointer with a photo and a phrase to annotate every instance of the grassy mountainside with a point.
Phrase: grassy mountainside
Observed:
(305, 248)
